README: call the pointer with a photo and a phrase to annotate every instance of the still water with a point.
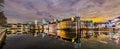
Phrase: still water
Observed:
(60, 39)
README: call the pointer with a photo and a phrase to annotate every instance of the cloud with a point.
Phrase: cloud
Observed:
(43, 9)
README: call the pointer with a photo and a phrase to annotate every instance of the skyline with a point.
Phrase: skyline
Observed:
(25, 10)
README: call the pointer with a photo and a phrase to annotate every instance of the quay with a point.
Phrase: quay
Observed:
(2, 36)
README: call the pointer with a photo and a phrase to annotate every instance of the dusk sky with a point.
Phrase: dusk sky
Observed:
(25, 10)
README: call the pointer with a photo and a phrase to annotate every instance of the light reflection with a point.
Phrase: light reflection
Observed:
(43, 34)
(117, 41)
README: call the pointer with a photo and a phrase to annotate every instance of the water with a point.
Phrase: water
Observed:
(60, 39)
(29, 41)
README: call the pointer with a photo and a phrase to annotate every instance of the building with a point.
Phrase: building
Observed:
(116, 22)
(3, 19)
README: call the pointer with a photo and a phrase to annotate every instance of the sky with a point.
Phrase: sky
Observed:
(29, 10)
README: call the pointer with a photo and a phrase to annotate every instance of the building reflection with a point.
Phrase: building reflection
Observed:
(43, 34)
(67, 35)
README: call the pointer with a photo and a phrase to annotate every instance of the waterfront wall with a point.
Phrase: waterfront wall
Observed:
(2, 36)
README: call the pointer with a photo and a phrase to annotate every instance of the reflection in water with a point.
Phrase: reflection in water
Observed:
(67, 35)
(117, 41)
(1, 46)
(43, 34)
(34, 34)
(70, 35)
(77, 43)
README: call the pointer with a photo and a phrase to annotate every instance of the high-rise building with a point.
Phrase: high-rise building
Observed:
(3, 19)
